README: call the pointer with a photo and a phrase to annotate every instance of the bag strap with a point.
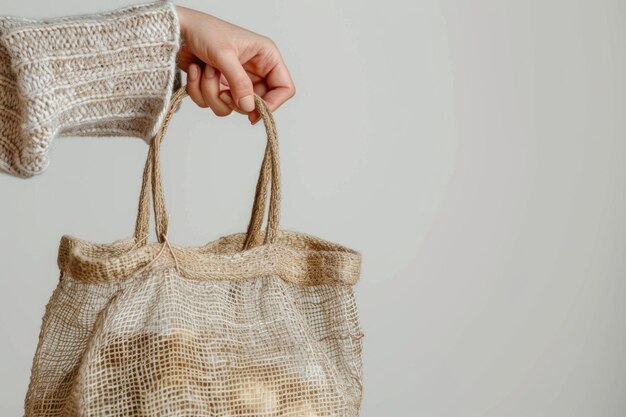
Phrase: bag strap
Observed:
(269, 173)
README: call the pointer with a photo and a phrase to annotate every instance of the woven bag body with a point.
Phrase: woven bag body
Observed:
(262, 323)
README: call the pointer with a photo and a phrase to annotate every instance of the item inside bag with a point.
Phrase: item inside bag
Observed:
(178, 372)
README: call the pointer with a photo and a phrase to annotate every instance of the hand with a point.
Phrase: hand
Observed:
(226, 64)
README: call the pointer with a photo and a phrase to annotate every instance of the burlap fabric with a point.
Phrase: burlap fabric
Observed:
(262, 323)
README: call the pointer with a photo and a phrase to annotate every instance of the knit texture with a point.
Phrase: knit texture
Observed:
(102, 74)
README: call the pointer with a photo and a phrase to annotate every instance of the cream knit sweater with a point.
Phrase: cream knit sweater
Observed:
(104, 74)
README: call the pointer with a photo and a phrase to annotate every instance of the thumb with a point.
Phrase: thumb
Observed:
(241, 88)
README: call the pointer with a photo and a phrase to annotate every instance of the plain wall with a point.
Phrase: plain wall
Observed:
(472, 151)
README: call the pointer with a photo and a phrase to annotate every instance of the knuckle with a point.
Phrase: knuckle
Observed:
(269, 42)
(222, 55)
(220, 48)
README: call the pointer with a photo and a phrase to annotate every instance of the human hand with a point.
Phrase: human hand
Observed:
(226, 64)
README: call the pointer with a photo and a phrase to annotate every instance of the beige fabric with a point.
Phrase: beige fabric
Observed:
(262, 323)
(101, 74)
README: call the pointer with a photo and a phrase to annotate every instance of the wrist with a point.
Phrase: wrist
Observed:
(182, 13)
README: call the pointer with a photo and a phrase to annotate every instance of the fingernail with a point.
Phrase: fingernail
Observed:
(226, 97)
(256, 121)
(246, 103)
(193, 72)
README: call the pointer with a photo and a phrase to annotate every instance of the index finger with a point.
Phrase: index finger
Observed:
(280, 86)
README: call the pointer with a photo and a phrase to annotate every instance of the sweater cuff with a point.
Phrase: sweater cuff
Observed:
(105, 74)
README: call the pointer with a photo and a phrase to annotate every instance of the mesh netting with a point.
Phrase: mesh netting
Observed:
(162, 345)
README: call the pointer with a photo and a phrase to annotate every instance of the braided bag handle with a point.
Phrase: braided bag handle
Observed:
(269, 173)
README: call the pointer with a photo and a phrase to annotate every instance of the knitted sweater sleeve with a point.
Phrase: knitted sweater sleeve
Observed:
(101, 74)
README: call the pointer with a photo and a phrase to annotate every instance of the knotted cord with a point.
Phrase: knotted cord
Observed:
(164, 244)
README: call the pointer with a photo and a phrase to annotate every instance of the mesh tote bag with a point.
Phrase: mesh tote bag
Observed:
(262, 323)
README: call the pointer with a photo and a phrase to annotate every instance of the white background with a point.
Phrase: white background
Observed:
(472, 151)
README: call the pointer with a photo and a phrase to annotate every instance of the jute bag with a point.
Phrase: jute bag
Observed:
(262, 323)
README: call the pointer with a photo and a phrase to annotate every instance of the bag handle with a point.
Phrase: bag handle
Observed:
(270, 172)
